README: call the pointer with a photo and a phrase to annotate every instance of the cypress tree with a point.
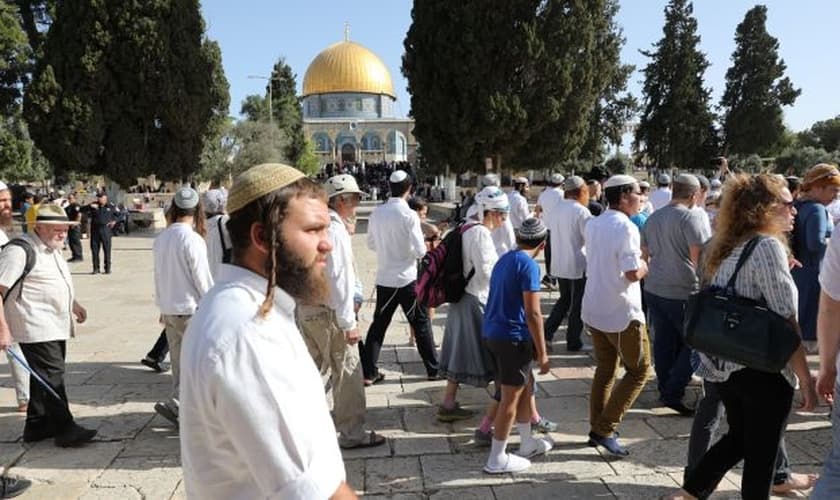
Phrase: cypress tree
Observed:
(756, 89)
(676, 123)
(126, 89)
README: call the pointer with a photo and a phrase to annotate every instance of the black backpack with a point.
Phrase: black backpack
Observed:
(30, 261)
(227, 252)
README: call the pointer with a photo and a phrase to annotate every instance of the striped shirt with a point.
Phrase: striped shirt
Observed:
(766, 276)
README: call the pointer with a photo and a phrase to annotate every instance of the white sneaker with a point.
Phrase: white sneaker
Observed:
(508, 463)
(534, 447)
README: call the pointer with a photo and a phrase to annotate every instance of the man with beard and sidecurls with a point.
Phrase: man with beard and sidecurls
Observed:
(20, 376)
(43, 337)
(255, 423)
(395, 235)
(330, 329)
(182, 277)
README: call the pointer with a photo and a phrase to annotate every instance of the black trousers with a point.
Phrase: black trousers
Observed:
(45, 413)
(757, 407)
(387, 300)
(74, 240)
(100, 237)
(547, 253)
(161, 347)
(571, 298)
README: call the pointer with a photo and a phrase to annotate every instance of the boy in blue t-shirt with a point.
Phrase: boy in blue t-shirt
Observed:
(513, 333)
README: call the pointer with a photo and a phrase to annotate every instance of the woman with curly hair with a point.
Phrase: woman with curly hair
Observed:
(757, 403)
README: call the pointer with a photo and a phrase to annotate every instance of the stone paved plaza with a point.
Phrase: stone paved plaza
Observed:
(136, 453)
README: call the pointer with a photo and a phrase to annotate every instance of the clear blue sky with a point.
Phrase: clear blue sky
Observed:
(253, 33)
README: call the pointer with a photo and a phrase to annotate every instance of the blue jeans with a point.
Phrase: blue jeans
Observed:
(671, 356)
(828, 486)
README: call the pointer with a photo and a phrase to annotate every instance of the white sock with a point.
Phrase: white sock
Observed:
(497, 453)
(525, 434)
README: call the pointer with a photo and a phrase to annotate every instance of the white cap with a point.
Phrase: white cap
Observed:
(520, 180)
(620, 180)
(490, 180)
(3, 186)
(185, 198)
(663, 179)
(214, 201)
(492, 198)
(398, 176)
(557, 179)
(715, 183)
(345, 184)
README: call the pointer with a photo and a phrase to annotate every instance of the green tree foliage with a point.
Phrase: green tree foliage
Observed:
(35, 18)
(254, 108)
(14, 60)
(254, 143)
(308, 162)
(619, 164)
(827, 133)
(126, 89)
(798, 159)
(756, 89)
(517, 80)
(614, 107)
(675, 128)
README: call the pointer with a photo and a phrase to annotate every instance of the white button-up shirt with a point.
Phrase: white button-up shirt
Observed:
(566, 225)
(394, 234)
(519, 210)
(479, 253)
(182, 271)
(341, 274)
(613, 247)
(504, 238)
(659, 197)
(254, 420)
(549, 199)
(215, 239)
(40, 308)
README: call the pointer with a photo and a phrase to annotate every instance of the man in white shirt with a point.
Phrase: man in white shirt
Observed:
(255, 422)
(612, 310)
(661, 196)
(47, 289)
(395, 235)
(519, 210)
(217, 238)
(20, 376)
(330, 330)
(546, 201)
(700, 205)
(182, 277)
(828, 380)
(566, 228)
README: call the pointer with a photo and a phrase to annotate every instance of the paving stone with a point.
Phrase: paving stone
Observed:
(815, 444)
(457, 471)
(355, 471)
(10, 453)
(152, 477)
(641, 487)
(111, 492)
(412, 443)
(47, 462)
(583, 490)
(483, 493)
(564, 409)
(649, 456)
(393, 475)
(67, 489)
(566, 387)
(568, 462)
(398, 496)
(158, 439)
(405, 399)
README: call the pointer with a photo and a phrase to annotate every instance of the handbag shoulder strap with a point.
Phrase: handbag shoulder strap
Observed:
(742, 259)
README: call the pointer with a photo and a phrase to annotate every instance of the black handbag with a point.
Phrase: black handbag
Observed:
(721, 324)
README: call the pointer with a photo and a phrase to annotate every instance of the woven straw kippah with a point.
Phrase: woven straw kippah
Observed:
(258, 181)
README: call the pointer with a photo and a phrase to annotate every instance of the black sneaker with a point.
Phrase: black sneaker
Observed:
(75, 436)
(11, 487)
(166, 412)
(154, 365)
(95, 271)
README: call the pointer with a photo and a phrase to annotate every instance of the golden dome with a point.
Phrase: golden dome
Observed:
(347, 67)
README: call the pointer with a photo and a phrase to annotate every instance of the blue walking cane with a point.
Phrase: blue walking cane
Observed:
(37, 377)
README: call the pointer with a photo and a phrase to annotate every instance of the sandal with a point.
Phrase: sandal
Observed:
(378, 378)
(796, 482)
(373, 439)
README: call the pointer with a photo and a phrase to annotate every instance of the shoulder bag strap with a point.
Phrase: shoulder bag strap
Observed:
(745, 253)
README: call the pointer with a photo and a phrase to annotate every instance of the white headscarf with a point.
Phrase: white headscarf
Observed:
(491, 198)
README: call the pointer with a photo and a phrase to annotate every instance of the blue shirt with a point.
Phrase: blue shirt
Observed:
(639, 220)
(504, 314)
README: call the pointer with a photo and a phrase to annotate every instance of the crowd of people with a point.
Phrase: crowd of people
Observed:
(259, 293)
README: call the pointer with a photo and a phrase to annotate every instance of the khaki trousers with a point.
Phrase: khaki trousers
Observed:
(329, 350)
(175, 325)
(607, 406)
